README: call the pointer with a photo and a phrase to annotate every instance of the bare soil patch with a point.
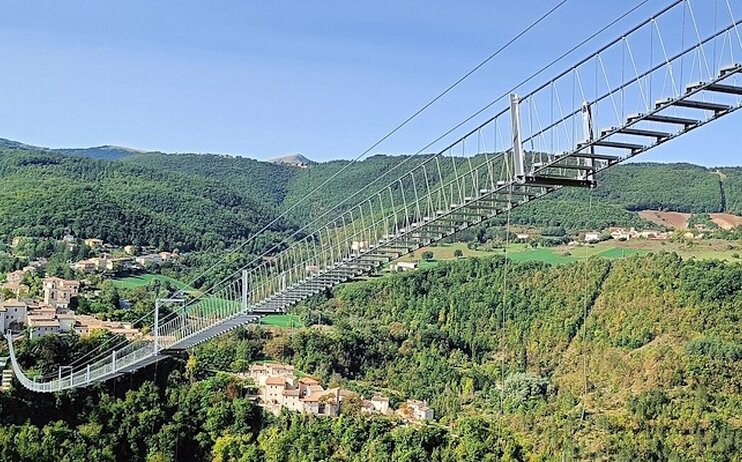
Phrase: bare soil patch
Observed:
(726, 220)
(671, 219)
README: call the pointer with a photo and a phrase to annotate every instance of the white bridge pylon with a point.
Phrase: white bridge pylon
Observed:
(670, 74)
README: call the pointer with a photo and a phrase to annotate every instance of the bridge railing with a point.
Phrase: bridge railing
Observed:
(652, 64)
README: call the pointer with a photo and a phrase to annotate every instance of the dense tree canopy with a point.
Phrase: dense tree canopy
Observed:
(500, 351)
(46, 195)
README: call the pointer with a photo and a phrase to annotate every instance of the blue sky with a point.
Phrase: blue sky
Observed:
(261, 79)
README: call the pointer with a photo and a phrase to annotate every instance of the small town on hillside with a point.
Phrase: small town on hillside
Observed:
(280, 388)
(51, 310)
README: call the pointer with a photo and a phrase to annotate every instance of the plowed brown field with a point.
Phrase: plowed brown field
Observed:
(671, 219)
(726, 220)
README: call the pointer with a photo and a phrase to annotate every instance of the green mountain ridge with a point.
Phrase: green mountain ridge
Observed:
(43, 193)
(201, 201)
(105, 152)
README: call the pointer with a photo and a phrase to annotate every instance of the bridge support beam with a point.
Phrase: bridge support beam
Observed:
(589, 133)
(519, 163)
(245, 290)
(156, 328)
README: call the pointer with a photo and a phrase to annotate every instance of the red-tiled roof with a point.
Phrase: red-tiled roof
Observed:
(275, 381)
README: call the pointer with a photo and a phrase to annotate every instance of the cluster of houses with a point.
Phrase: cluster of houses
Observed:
(623, 234)
(53, 315)
(133, 258)
(14, 280)
(279, 388)
(106, 263)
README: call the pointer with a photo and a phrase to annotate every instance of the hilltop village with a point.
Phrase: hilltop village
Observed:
(31, 300)
(280, 388)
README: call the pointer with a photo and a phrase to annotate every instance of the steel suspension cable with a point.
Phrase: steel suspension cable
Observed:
(483, 109)
(520, 84)
(584, 314)
(393, 131)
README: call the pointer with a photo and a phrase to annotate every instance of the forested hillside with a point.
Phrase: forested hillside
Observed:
(42, 194)
(193, 201)
(98, 152)
(732, 181)
(260, 181)
(641, 186)
(502, 361)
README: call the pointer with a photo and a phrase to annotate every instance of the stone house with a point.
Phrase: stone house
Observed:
(415, 410)
(59, 292)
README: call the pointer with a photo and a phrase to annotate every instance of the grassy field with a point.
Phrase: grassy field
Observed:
(445, 252)
(709, 249)
(281, 320)
(132, 282)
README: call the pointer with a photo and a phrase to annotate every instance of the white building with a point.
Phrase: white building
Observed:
(380, 404)
(13, 314)
(592, 237)
(403, 266)
(146, 261)
(40, 326)
(414, 410)
(260, 372)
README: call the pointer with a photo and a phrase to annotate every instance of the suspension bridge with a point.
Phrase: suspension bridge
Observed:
(670, 74)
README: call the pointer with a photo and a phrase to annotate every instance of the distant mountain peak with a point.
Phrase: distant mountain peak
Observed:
(6, 143)
(297, 160)
(105, 152)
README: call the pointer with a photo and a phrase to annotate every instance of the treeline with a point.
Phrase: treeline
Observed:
(639, 186)
(168, 414)
(732, 188)
(260, 181)
(660, 352)
(621, 190)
